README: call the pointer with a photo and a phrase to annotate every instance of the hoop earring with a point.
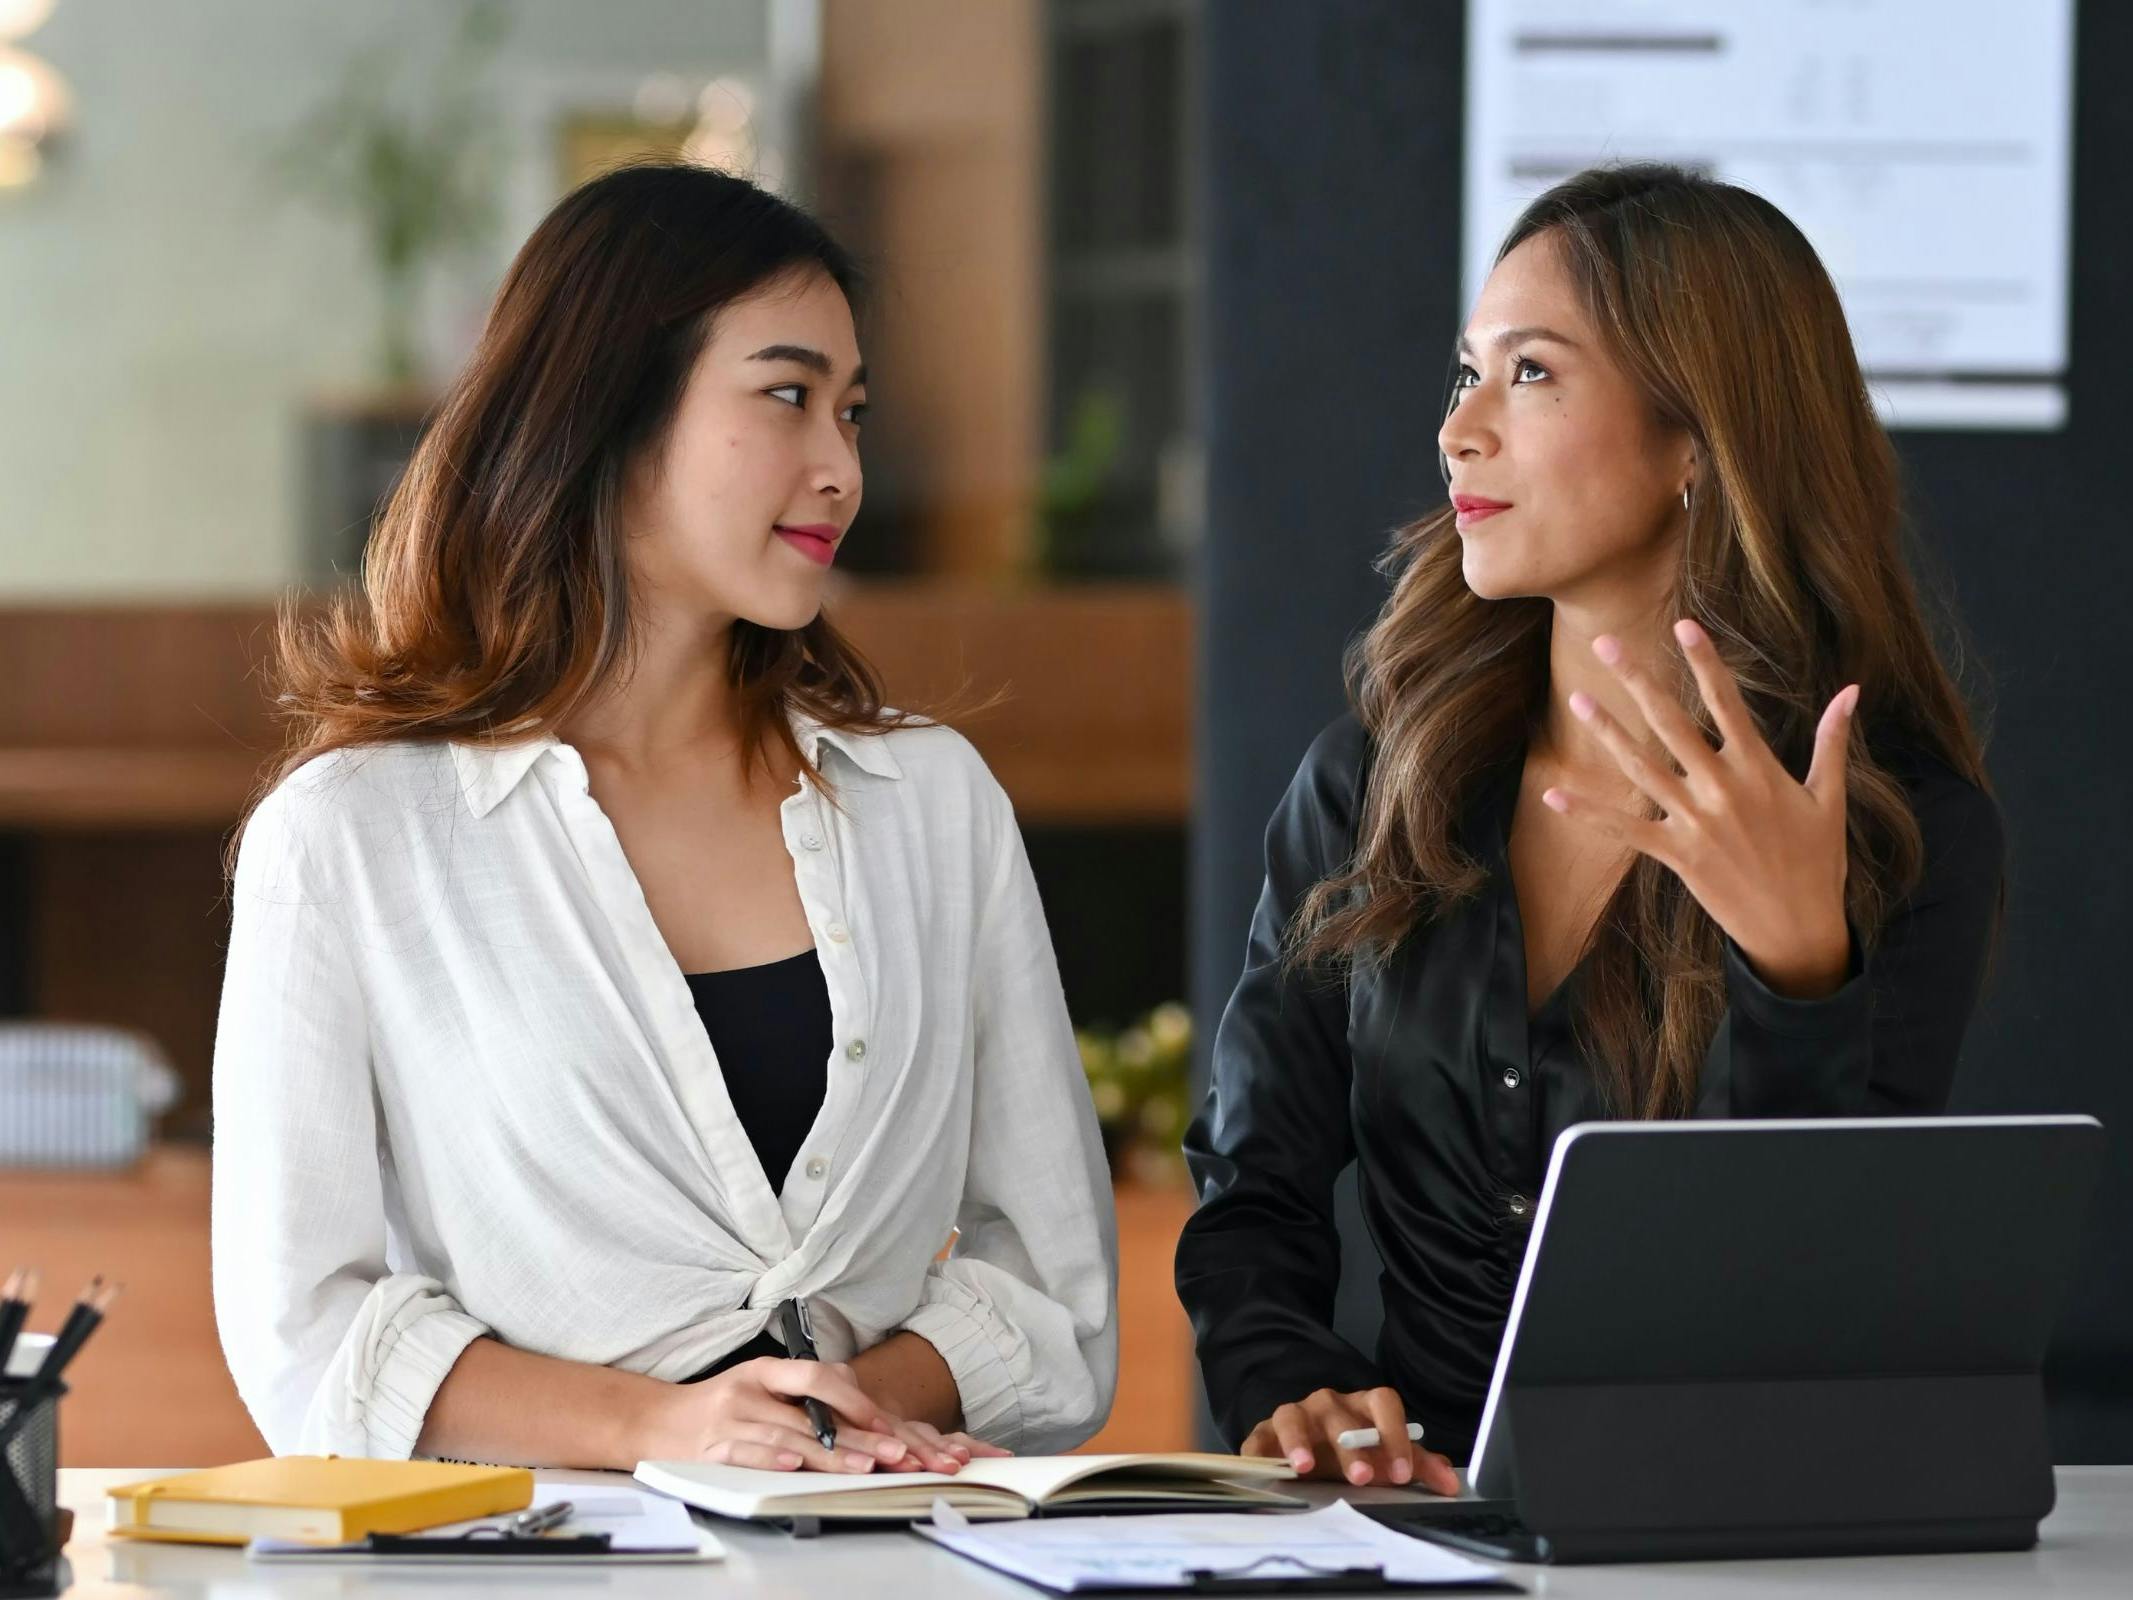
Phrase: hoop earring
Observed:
(1684, 497)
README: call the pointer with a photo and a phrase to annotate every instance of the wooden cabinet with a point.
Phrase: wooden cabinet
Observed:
(150, 1389)
(1157, 1384)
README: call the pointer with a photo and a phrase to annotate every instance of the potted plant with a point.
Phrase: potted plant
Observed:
(1141, 1080)
(416, 165)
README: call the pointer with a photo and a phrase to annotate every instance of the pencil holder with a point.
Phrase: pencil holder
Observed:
(29, 1498)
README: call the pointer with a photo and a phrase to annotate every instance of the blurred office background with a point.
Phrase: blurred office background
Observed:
(1165, 291)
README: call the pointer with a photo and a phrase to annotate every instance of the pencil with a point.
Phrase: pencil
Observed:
(83, 1320)
(15, 1299)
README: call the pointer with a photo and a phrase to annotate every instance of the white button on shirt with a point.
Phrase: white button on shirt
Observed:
(461, 1088)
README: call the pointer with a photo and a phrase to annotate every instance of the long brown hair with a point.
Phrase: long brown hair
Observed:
(1720, 311)
(495, 594)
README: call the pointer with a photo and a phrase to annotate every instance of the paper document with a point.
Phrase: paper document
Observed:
(640, 1526)
(1924, 147)
(1078, 1554)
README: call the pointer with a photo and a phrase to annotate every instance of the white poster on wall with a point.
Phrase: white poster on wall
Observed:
(1924, 146)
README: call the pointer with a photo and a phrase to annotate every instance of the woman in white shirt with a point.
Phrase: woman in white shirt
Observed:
(582, 784)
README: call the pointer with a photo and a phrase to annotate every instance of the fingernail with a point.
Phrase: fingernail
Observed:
(858, 1462)
(1851, 700)
(891, 1449)
(787, 1459)
(1553, 799)
(1401, 1472)
(1359, 1473)
(1300, 1460)
(1607, 648)
(1687, 632)
(1581, 703)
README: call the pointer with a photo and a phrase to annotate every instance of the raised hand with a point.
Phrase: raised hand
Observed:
(1763, 853)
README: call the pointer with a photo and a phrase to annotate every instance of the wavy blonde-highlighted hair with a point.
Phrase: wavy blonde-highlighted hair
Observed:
(1721, 313)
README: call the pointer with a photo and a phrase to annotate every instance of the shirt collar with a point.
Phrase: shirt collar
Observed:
(869, 752)
(1495, 806)
(489, 771)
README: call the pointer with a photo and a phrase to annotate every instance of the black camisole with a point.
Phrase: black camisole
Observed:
(770, 1026)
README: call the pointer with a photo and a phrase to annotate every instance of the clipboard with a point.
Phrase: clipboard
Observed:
(1332, 1550)
(405, 1549)
(1307, 1579)
(503, 1544)
(609, 1523)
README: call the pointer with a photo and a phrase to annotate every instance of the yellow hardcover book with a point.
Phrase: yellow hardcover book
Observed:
(322, 1499)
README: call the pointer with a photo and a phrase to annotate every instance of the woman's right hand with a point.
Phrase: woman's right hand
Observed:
(750, 1415)
(1303, 1433)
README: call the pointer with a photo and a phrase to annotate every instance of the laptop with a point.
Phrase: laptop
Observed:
(1779, 1338)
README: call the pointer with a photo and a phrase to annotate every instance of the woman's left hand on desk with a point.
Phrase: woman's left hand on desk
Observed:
(935, 1451)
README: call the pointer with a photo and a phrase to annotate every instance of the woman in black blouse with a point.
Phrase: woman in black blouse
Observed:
(1656, 802)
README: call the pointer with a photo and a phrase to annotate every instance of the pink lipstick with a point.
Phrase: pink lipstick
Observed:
(1474, 508)
(815, 540)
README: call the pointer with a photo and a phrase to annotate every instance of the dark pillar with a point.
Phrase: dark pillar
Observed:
(1332, 149)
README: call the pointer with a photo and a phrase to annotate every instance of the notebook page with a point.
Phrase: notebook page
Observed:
(1036, 1478)
(749, 1492)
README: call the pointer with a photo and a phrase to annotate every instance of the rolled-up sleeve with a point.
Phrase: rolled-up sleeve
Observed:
(1885, 1043)
(331, 1351)
(1023, 1310)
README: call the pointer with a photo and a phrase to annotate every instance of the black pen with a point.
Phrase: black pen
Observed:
(800, 1345)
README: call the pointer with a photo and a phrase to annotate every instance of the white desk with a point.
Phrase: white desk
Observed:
(2087, 1550)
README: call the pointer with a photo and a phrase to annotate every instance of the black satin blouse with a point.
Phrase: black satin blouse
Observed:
(1429, 1075)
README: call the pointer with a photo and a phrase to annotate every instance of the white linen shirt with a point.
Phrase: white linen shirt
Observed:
(461, 1088)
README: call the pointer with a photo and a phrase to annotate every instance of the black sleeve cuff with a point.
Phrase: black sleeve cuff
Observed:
(1776, 1056)
(1845, 1007)
(1286, 1381)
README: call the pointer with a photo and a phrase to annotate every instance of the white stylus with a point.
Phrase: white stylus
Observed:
(1370, 1438)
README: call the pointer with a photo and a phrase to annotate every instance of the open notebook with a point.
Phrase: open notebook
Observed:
(1015, 1486)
